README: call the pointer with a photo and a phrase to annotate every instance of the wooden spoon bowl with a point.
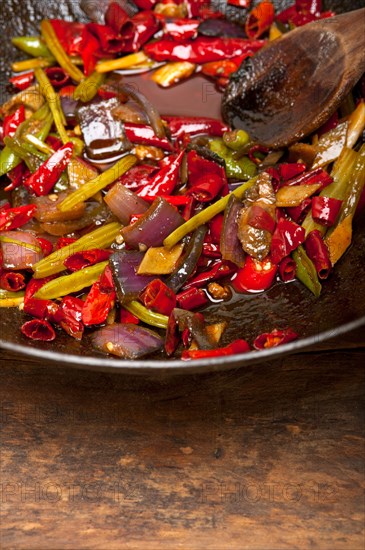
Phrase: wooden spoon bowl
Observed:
(294, 84)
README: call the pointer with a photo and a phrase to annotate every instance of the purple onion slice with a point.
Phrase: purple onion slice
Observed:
(128, 284)
(230, 245)
(127, 340)
(124, 203)
(14, 250)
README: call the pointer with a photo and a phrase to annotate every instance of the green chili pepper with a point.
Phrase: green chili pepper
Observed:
(97, 184)
(62, 286)
(32, 45)
(102, 237)
(236, 139)
(53, 100)
(146, 315)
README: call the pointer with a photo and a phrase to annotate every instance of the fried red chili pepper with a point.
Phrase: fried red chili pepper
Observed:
(287, 269)
(11, 122)
(325, 210)
(12, 281)
(181, 29)
(201, 50)
(165, 181)
(57, 76)
(37, 329)
(259, 20)
(22, 81)
(71, 316)
(220, 270)
(206, 178)
(255, 275)
(145, 26)
(192, 298)
(100, 300)
(140, 133)
(287, 237)
(274, 338)
(193, 126)
(79, 260)
(158, 297)
(317, 175)
(13, 218)
(318, 252)
(238, 346)
(41, 182)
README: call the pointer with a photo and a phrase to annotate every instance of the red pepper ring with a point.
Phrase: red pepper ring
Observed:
(37, 329)
(158, 297)
(287, 269)
(207, 187)
(325, 210)
(57, 76)
(274, 338)
(238, 346)
(257, 150)
(259, 20)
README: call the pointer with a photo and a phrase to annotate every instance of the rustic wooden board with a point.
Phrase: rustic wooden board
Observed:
(267, 457)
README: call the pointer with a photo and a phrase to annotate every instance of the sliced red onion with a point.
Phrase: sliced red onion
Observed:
(124, 203)
(15, 255)
(124, 265)
(230, 245)
(154, 226)
(127, 340)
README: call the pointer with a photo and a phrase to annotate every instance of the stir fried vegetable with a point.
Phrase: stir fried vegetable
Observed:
(122, 218)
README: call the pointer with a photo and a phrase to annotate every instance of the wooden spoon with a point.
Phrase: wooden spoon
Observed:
(294, 84)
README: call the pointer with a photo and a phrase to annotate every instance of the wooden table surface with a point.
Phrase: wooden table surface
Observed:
(267, 457)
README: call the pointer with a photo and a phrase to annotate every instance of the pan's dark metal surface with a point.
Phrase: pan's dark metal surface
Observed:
(340, 308)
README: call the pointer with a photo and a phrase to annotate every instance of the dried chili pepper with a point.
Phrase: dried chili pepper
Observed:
(145, 26)
(318, 175)
(42, 180)
(46, 246)
(126, 317)
(70, 34)
(238, 346)
(179, 126)
(12, 281)
(201, 50)
(287, 269)
(255, 275)
(287, 237)
(158, 297)
(290, 170)
(100, 300)
(79, 260)
(219, 69)
(13, 218)
(37, 329)
(71, 316)
(274, 338)
(192, 298)
(109, 40)
(64, 241)
(181, 29)
(42, 309)
(206, 178)
(11, 122)
(119, 20)
(325, 210)
(317, 251)
(165, 181)
(259, 20)
(219, 270)
(298, 213)
(22, 81)
(140, 133)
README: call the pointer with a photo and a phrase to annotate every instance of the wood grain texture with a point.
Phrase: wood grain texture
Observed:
(267, 457)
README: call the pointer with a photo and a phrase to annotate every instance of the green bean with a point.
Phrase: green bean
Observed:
(88, 88)
(205, 215)
(62, 286)
(146, 315)
(32, 45)
(102, 237)
(55, 47)
(54, 103)
(306, 272)
(90, 188)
